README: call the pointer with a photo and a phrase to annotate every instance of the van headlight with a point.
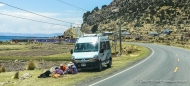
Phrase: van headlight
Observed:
(73, 58)
(95, 57)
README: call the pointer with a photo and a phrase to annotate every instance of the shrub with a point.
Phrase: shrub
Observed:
(2, 69)
(16, 76)
(94, 28)
(129, 51)
(31, 65)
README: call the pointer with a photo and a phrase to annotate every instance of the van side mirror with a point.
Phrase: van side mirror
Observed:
(71, 51)
(101, 50)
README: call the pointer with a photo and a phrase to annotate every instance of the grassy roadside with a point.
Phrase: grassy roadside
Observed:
(70, 80)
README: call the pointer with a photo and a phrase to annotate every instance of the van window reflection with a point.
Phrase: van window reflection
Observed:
(86, 47)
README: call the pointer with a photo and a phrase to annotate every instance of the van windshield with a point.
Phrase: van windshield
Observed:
(86, 47)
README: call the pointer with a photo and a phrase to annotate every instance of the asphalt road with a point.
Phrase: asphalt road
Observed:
(166, 66)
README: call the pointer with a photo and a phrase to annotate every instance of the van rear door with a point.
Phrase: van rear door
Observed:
(103, 55)
(108, 50)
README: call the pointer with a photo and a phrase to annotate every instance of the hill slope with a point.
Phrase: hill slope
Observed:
(144, 15)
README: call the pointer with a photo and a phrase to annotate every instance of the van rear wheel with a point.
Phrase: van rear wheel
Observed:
(109, 64)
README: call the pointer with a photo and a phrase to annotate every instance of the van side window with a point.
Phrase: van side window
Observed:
(102, 45)
(96, 46)
(85, 46)
(107, 45)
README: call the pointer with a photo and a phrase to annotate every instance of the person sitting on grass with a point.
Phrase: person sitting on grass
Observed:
(63, 68)
(71, 69)
(58, 71)
(45, 74)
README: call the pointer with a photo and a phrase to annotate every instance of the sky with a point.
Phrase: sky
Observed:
(61, 13)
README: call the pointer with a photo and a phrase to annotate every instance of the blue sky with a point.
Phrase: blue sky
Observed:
(50, 8)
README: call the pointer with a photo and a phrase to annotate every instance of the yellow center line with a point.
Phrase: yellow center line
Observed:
(176, 55)
(178, 60)
(175, 69)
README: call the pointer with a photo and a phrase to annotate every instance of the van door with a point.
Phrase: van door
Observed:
(102, 55)
(108, 50)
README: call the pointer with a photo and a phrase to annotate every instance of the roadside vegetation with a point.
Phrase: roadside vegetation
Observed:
(131, 54)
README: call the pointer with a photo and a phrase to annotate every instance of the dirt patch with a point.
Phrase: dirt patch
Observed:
(133, 55)
(32, 53)
(21, 65)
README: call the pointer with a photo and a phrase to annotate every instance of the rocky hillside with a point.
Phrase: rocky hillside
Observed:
(69, 33)
(141, 15)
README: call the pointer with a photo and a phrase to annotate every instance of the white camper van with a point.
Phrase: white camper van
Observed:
(92, 51)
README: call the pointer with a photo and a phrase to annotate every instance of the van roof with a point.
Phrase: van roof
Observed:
(87, 39)
(91, 35)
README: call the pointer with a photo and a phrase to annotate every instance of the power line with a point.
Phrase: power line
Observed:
(33, 20)
(72, 5)
(35, 13)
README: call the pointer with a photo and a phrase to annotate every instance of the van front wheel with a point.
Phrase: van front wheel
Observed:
(100, 66)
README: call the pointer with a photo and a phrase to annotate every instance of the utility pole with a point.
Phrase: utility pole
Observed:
(71, 25)
(120, 37)
(115, 39)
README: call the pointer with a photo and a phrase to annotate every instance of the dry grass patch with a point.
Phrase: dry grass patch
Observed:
(31, 65)
(2, 69)
(16, 75)
(12, 47)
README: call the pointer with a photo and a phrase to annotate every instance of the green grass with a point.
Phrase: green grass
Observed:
(57, 57)
(12, 47)
(70, 80)
(53, 52)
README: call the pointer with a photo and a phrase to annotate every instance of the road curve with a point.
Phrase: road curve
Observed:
(166, 66)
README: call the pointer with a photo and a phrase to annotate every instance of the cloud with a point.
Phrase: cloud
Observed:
(2, 5)
(77, 24)
(16, 25)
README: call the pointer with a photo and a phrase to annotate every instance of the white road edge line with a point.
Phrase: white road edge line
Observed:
(124, 70)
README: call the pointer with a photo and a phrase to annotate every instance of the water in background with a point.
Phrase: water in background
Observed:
(9, 38)
(33, 39)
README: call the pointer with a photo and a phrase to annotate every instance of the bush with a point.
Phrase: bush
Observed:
(2, 69)
(31, 65)
(1, 42)
(94, 28)
(129, 52)
(16, 76)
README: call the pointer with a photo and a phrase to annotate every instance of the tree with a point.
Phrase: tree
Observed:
(95, 9)
(103, 6)
(94, 28)
(85, 15)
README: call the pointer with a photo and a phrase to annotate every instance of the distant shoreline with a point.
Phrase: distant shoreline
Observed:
(30, 39)
(9, 38)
